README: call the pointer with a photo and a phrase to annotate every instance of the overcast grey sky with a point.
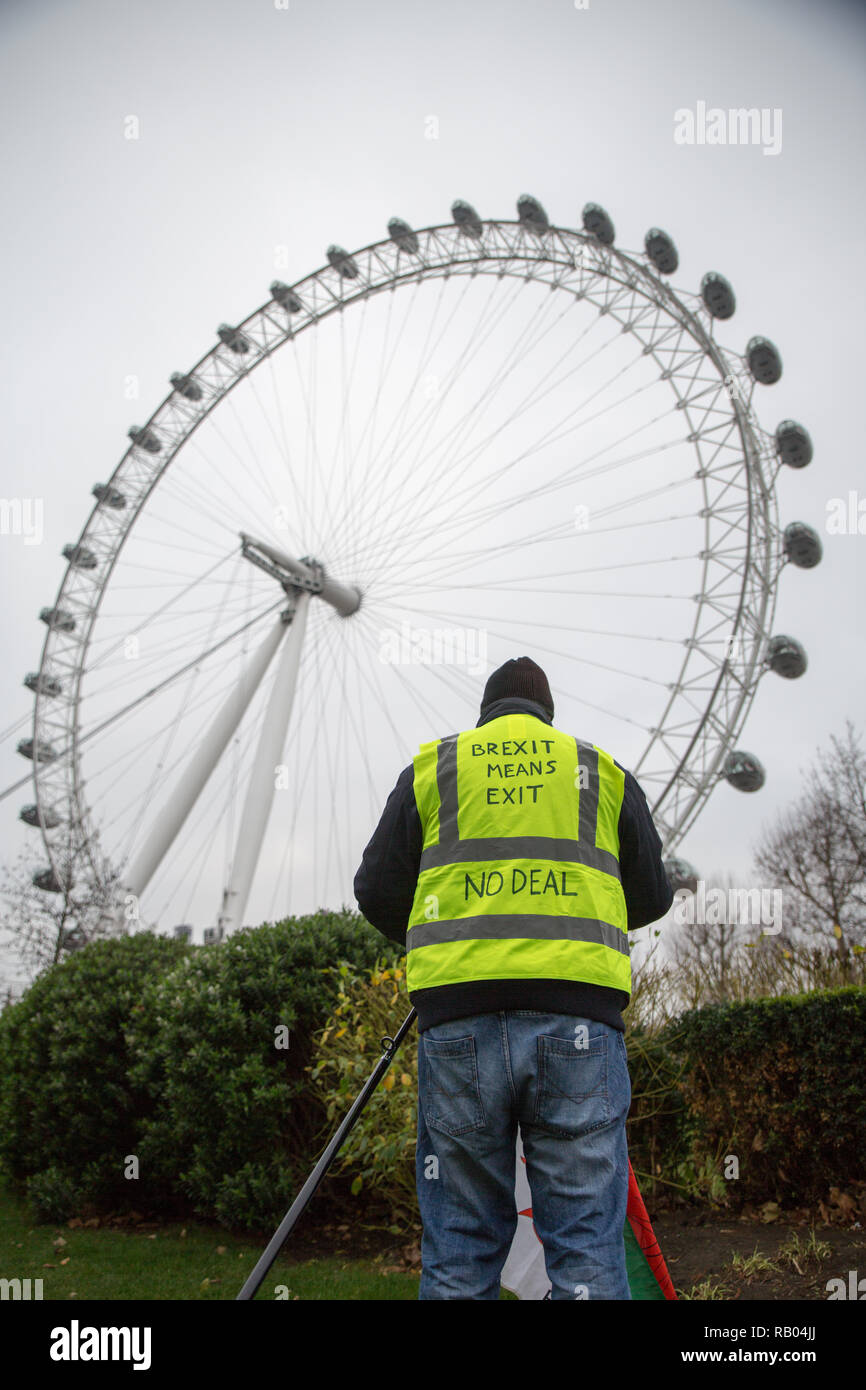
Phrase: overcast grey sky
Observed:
(262, 128)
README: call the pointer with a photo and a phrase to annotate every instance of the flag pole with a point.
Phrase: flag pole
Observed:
(300, 1203)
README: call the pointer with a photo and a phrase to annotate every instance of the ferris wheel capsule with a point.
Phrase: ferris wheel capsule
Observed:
(43, 684)
(681, 874)
(787, 657)
(145, 439)
(79, 557)
(402, 236)
(47, 820)
(233, 339)
(47, 880)
(744, 771)
(108, 496)
(37, 750)
(285, 297)
(342, 262)
(466, 219)
(186, 386)
(765, 362)
(718, 296)
(793, 444)
(72, 939)
(57, 618)
(598, 223)
(531, 215)
(802, 545)
(661, 250)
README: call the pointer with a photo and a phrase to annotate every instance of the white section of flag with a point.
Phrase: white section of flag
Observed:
(524, 1271)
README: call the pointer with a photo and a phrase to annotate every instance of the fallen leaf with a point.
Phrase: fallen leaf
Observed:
(221, 1249)
(66, 1261)
(74, 1222)
(49, 1266)
(59, 1243)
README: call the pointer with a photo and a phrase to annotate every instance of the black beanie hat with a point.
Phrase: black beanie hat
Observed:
(521, 677)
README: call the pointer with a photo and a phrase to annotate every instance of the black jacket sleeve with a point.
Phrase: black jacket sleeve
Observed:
(386, 880)
(648, 893)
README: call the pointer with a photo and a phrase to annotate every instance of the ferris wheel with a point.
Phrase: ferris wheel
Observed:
(455, 445)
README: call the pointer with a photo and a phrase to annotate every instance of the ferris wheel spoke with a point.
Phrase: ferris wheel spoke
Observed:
(429, 413)
(583, 631)
(351, 509)
(463, 562)
(462, 460)
(368, 431)
(562, 479)
(175, 642)
(513, 580)
(527, 340)
(525, 344)
(443, 474)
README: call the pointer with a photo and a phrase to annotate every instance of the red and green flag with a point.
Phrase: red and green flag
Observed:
(525, 1273)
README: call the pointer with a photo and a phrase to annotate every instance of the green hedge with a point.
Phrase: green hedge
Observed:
(777, 1084)
(237, 1120)
(145, 1046)
(69, 1115)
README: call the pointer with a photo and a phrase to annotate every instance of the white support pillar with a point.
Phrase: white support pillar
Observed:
(260, 792)
(194, 777)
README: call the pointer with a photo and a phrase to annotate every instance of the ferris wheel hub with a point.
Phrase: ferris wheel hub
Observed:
(306, 574)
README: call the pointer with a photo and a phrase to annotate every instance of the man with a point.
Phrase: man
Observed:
(512, 859)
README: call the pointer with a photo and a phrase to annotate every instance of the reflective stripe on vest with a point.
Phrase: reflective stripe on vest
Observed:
(519, 875)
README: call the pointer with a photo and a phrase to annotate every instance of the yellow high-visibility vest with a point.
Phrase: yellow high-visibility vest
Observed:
(519, 875)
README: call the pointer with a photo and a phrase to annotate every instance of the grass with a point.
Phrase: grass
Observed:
(187, 1261)
(751, 1265)
(793, 1252)
(707, 1291)
(798, 1254)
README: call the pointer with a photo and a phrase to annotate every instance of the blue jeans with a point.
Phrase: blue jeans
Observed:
(565, 1081)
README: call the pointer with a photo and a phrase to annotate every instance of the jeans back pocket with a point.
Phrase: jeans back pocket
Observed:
(573, 1097)
(451, 1096)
